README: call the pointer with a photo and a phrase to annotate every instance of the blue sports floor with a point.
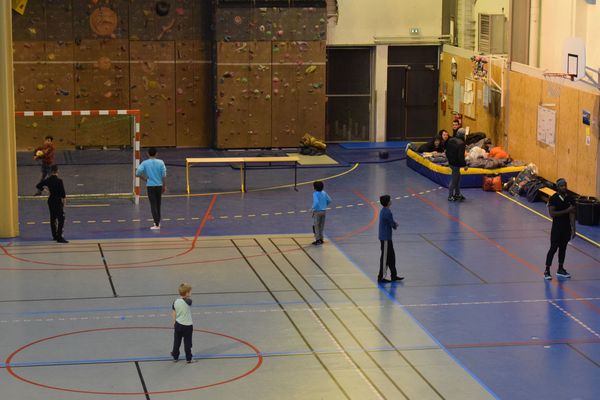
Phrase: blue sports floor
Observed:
(276, 317)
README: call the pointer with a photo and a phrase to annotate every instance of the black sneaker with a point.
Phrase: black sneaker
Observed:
(460, 197)
(62, 240)
(547, 275)
(191, 361)
(316, 242)
(320, 241)
(562, 273)
(451, 198)
(175, 359)
(397, 278)
(383, 280)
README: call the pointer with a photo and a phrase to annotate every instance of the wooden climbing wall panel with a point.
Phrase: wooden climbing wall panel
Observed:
(233, 25)
(192, 93)
(310, 78)
(276, 93)
(116, 54)
(285, 95)
(232, 94)
(153, 90)
(259, 92)
(99, 20)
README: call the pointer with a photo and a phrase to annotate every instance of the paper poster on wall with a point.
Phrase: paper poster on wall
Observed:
(456, 96)
(546, 125)
(469, 98)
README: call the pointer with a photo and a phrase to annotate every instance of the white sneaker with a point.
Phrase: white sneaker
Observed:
(155, 227)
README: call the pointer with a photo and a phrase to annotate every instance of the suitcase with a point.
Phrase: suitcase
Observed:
(492, 183)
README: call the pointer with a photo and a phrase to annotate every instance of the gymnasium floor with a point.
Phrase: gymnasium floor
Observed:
(277, 318)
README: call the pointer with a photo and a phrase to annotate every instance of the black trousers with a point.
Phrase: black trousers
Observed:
(155, 195)
(57, 218)
(454, 188)
(182, 332)
(558, 241)
(45, 171)
(388, 258)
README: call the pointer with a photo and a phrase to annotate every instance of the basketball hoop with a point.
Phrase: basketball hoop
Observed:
(554, 82)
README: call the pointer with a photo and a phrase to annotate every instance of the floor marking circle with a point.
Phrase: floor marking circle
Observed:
(11, 371)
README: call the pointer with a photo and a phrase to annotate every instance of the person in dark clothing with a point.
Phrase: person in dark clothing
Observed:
(444, 136)
(432, 146)
(456, 125)
(561, 207)
(388, 256)
(455, 152)
(56, 203)
(45, 153)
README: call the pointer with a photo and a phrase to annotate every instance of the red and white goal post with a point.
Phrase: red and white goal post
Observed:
(135, 123)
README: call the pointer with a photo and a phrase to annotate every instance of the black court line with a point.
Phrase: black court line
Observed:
(582, 354)
(137, 366)
(112, 286)
(306, 342)
(387, 339)
(341, 321)
(316, 315)
(452, 258)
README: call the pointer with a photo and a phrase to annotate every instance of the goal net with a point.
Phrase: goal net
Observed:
(97, 150)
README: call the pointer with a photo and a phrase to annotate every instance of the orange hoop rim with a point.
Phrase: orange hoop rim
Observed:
(559, 75)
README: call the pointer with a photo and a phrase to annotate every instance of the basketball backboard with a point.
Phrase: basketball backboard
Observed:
(574, 58)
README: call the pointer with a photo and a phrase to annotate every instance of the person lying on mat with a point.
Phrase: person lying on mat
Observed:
(434, 146)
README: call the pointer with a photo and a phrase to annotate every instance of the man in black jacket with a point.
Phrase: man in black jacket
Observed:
(455, 152)
(56, 203)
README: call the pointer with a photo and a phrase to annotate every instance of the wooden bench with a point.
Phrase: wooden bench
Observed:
(242, 161)
(546, 192)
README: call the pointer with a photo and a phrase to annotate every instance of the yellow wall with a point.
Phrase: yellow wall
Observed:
(483, 121)
(571, 158)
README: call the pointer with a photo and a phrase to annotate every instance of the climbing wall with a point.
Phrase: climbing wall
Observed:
(270, 75)
(114, 54)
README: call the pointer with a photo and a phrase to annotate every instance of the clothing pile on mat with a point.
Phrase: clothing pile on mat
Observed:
(481, 153)
(311, 146)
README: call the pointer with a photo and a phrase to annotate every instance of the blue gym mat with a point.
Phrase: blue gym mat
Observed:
(374, 145)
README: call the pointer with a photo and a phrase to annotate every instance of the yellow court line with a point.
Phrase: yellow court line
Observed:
(545, 217)
(267, 188)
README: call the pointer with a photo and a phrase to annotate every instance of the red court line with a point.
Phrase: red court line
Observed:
(10, 370)
(365, 227)
(536, 270)
(193, 245)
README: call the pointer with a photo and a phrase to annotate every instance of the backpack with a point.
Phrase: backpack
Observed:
(531, 189)
(492, 183)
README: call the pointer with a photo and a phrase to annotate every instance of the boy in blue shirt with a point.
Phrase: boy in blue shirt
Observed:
(154, 172)
(319, 205)
(388, 257)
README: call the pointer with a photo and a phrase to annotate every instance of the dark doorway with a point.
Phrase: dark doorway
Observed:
(412, 88)
(348, 93)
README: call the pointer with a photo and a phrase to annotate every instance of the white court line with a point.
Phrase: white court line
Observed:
(327, 308)
(568, 314)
